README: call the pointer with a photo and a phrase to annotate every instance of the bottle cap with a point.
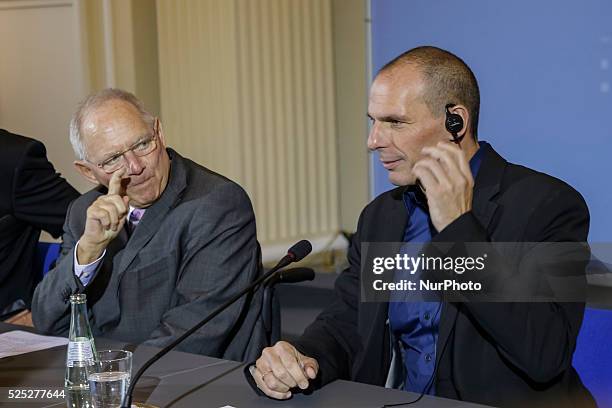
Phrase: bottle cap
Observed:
(78, 298)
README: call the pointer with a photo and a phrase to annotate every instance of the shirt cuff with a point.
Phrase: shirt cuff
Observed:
(85, 273)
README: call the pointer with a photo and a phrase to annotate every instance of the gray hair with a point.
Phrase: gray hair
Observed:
(94, 101)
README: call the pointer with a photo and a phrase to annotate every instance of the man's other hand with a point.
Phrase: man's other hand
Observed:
(281, 368)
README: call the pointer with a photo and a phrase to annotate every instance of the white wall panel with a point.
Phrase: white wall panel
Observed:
(42, 75)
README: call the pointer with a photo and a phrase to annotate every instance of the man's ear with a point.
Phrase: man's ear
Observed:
(83, 168)
(160, 132)
(465, 115)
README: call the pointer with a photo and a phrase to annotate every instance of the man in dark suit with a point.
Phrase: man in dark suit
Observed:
(33, 197)
(160, 243)
(424, 110)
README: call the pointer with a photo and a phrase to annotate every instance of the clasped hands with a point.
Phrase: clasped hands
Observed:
(281, 368)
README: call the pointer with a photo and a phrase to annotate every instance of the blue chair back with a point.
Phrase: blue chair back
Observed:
(593, 355)
(45, 256)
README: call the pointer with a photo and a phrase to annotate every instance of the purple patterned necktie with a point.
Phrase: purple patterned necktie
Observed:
(134, 219)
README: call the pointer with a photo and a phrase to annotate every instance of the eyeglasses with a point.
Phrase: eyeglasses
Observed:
(141, 148)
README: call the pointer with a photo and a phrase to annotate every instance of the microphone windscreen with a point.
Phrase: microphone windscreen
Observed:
(296, 275)
(300, 250)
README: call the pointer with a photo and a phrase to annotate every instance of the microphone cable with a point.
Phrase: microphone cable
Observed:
(431, 379)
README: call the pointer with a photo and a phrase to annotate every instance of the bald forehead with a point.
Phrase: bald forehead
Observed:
(402, 72)
(114, 109)
(403, 79)
(111, 113)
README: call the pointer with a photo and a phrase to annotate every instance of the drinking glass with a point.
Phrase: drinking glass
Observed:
(109, 378)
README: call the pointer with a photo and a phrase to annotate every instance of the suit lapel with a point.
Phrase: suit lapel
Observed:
(155, 214)
(486, 186)
(374, 315)
(447, 323)
(399, 216)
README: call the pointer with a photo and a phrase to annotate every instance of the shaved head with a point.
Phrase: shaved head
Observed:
(447, 80)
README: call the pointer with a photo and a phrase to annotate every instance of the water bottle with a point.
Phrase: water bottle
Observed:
(81, 356)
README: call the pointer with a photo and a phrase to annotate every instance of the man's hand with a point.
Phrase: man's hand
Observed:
(281, 368)
(447, 179)
(105, 218)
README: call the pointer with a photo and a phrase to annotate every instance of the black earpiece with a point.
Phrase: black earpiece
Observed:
(453, 123)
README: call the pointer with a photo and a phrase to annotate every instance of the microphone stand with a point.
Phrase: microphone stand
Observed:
(287, 259)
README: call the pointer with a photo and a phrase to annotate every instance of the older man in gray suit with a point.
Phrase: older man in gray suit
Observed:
(157, 245)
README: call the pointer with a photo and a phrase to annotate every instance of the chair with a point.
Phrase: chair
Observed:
(45, 256)
(271, 314)
(271, 305)
(593, 354)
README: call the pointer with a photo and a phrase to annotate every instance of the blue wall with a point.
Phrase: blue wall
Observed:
(545, 74)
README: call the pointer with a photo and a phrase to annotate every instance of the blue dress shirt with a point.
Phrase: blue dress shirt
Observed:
(415, 324)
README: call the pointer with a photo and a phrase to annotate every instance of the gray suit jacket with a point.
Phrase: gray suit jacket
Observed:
(195, 247)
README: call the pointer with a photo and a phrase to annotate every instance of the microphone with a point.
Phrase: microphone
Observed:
(296, 253)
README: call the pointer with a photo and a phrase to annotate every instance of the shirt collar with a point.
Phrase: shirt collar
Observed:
(476, 160)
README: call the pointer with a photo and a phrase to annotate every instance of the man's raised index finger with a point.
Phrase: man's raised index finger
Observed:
(114, 185)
